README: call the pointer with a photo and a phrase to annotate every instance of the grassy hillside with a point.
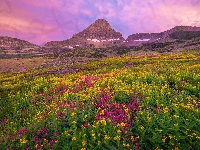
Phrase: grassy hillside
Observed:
(141, 102)
(185, 35)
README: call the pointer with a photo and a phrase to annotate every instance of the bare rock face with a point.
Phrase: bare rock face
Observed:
(10, 45)
(140, 38)
(100, 30)
(100, 33)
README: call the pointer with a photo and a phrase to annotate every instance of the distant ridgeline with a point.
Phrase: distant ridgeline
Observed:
(185, 35)
(100, 40)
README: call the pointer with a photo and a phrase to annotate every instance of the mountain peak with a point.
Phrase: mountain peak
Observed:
(101, 20)
(100, 29)
(100, 24)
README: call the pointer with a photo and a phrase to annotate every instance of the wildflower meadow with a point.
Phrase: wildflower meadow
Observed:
(127, 102)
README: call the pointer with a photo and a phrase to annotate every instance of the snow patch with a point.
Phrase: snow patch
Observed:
(103, 40)
(113, 39)
(94, 40)
(142, 40)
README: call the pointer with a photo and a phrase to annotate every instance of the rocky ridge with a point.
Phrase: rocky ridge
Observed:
(100, 33)
(101, 40)
(10, 45)
(140, 38)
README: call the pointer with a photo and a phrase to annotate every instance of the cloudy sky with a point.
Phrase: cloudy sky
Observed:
(40, 21)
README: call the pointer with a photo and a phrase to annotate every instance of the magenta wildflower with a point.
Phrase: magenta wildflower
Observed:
(156, 109)
(2, 141)
(56, 133)
(61, 114)
(4, 121)
(136, 147)
(52, 142)
(85, 125)
(41, 134)
(22, 132)
(11, 137)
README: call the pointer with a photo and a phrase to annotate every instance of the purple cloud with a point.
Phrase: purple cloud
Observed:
(49, 20)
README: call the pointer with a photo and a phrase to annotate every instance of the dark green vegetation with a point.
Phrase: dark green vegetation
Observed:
(185, 35)
(143, 102)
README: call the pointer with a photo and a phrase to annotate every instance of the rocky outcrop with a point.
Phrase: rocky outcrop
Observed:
(10, 45)
(100, 33)
(100, 30)
(140, 38)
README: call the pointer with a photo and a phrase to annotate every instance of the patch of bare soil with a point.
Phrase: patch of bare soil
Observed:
(21, 64)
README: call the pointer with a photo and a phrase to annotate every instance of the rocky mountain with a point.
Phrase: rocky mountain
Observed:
(14, 46)
(178, 32)
(100, 33)
(101, 40)
(100, 30)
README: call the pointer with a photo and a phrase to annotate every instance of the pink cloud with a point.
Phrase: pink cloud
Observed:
(47, 20)
(157, 17)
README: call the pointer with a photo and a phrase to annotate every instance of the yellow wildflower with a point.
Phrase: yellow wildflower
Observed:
(176, 148)
(73, 138)
(84, 143)
(103, 122)
(66, 132)
(73, 113)
(176, 116)
(23, 141)
(176, 125)
(126, 145)
(106, 137)
(166, 110)
(141, 127)
(102, 112)
(117, 137)
(36, 145)
(132, 138)
(73, 122)
(122, 124)
(164, 138)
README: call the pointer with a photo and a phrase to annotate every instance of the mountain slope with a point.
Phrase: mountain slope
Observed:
(178, 32)
(12, 46)
(100, 33)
